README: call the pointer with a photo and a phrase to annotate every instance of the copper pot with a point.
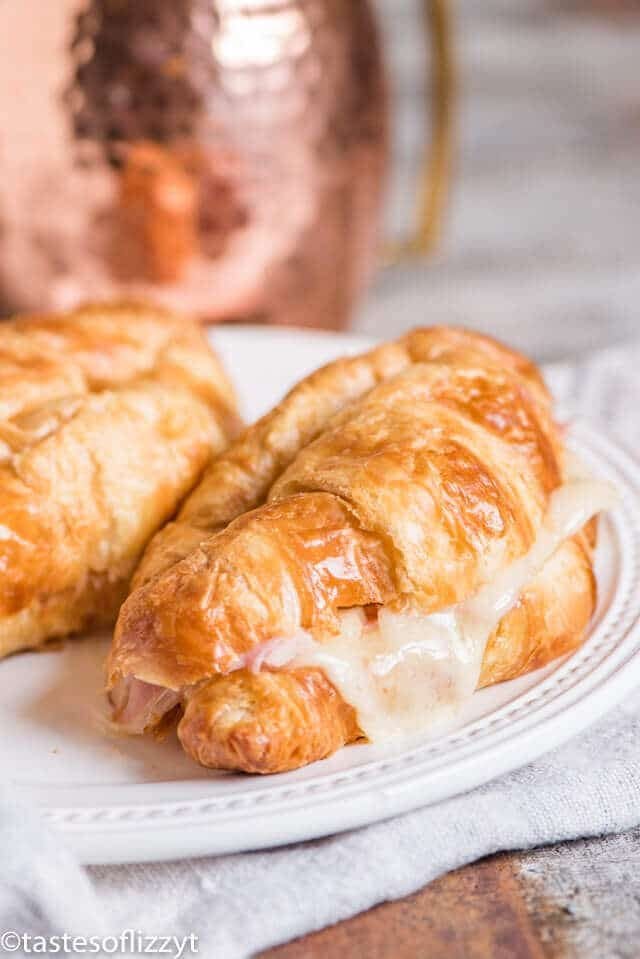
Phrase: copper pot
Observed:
(226, 157)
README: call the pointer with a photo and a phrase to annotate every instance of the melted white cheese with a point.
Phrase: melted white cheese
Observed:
(409, 672)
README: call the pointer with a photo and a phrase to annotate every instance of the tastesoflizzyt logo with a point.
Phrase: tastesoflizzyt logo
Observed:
(129, 942)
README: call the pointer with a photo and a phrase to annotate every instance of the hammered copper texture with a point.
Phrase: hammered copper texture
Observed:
(225, 156)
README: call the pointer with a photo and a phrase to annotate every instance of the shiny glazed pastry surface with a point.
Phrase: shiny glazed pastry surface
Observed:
(408, 477)
(108, 415)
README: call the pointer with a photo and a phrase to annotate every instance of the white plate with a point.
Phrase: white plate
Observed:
(123, 800)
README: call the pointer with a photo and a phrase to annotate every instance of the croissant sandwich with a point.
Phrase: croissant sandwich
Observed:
(108, 415)
(403, 528)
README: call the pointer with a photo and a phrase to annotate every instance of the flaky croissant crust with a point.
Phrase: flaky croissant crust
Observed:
(409, 475)
(108, 414)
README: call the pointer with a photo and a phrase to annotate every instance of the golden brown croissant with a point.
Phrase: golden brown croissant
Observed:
(400, 529)
(107, 417)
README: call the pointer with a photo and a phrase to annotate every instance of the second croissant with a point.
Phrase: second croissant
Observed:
(108, 415)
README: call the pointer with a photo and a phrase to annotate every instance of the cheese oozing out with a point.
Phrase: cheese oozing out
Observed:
(409, 672)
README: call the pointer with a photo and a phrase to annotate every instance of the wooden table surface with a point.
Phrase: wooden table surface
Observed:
(539, 250)
(576, 900)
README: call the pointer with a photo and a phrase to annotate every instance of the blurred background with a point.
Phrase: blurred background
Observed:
(251, 160)
(541, 240)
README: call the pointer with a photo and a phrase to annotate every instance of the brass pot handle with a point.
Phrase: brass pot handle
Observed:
(435, 176)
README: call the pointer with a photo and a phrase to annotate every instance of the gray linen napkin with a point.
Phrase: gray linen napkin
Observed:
(241, 904)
